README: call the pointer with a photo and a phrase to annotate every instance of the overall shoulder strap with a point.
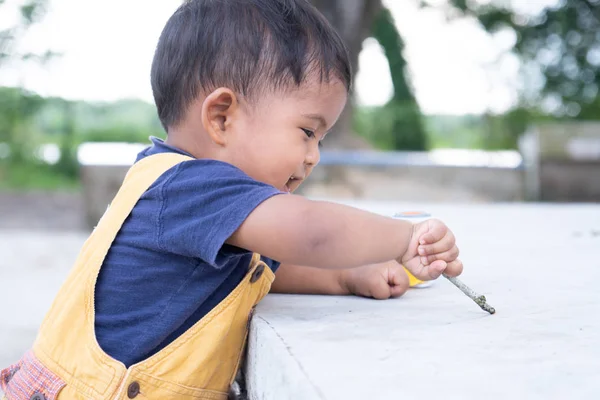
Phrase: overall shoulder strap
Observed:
(137, 181)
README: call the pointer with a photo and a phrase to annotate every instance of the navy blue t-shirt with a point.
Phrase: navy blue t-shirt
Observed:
(169, 265)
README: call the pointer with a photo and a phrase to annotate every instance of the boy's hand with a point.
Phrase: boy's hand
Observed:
(432, 251)
(380, 281)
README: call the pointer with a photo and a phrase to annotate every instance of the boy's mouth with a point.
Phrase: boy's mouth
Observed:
(293, 183)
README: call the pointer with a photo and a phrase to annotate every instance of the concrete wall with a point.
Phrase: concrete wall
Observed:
(100, 185)
(416, 183)
(568, 181)
(562, 162)
(446, 176)
(103, 167)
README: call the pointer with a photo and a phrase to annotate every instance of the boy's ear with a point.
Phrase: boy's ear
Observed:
(218, 110)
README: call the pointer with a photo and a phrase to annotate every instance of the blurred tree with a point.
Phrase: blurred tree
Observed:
(18, 106)
(16, 110)
(561, 43)
(31, 12)
(357, 20)
(67, 163)
(406, 129)
(353, 19)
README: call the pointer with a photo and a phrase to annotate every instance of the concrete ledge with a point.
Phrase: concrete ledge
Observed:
(274, 370)
(536, 264)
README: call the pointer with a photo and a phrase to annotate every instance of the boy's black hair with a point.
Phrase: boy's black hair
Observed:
(246, 45)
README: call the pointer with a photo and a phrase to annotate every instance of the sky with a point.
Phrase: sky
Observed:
(107, 47)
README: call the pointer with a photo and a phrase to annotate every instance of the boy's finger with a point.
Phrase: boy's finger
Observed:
(454, 268)
(398, 282)
(441, 246)
(436, 268)
(447, 256)
(436, 231)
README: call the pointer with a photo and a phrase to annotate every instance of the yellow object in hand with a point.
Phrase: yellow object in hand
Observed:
(414, 217)
(412, 281)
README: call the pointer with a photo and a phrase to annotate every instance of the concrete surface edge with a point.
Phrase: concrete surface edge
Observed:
(271, 370)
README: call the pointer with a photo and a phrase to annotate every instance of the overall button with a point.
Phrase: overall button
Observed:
(37, 396)
(133, 390)
(257, 273)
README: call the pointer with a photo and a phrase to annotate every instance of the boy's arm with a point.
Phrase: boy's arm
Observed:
(295, 230)
(298, 231)
(379, 281)
(294, 279)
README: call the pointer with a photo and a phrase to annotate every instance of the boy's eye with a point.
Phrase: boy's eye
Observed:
(308, 132)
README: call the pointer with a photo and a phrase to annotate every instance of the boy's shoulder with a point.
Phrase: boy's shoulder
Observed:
(197, 205)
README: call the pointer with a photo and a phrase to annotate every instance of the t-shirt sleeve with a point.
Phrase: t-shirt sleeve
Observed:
(273, 265)
(203, 202)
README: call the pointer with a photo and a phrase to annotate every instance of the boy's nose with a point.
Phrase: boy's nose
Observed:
(313, 156)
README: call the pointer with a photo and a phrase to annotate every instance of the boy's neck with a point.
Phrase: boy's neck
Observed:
(189, 142)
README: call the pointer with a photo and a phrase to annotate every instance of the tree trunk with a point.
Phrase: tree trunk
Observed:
(408, 131)
(353, 20)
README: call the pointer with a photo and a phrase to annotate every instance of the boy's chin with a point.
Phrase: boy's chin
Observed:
(289, 190)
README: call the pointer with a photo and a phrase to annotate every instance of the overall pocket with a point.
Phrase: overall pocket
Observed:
(30, 380)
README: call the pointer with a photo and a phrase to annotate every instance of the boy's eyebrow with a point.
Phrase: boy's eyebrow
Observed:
(317, 117)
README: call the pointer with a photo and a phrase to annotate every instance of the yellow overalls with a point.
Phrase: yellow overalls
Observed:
(66, 361)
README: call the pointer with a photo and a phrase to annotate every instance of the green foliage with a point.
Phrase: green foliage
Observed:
(100, 116)
(67, 163)
(502, 132)
(28, 120)
(448, 131)
(391, 127)
(31, 12)
(71, 122)
(33, 175)
(19, 166)
(17, 108)
(488, 132)
(561, 43)
(365, 124)
(404, 127)
(127, 134)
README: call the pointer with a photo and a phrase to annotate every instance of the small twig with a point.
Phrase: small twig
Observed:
(479, 299)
